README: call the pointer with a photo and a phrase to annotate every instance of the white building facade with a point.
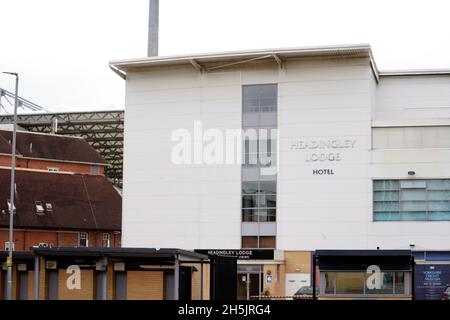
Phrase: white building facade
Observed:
(362, 156)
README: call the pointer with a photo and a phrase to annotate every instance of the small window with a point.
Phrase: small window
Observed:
(95, 170)
(39, 208)
(48, 207)
(106, 240)
(52, 169)
(83, 240)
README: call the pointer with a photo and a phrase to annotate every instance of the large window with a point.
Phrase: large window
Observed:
(411, 200)
(259, 190)
(355, 283)
(259, 181)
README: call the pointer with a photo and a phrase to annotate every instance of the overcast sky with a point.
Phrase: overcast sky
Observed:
(61, 48)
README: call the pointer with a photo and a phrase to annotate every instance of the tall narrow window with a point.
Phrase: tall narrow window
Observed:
(106, 239)
(259, 183)
(83, 240)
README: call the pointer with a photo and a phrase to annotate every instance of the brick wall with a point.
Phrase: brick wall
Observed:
(277, 287)
(25, 239)
(145, 285)
(5, 161)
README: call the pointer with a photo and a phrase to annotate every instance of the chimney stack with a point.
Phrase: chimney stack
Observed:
(153, 28)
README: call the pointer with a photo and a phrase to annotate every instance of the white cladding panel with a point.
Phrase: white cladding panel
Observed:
(325, 113)
(413, 98)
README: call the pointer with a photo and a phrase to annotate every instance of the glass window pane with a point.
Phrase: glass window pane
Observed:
(399, 282)
(439, 215)
(439, 195)
(386, 206)
(249, 201)
(386, 216)
(413, 206)
(268, 186)
(408, 184)
(329, 282)
(249, 187)
(438, 184)
(267, 215)
(386, 285)
(439, 205)
(414, 195)
(386, 196)
(386, 185)
(414, 216)
(268, 105)
(249, 215)
(267, 90)
(350, 283)
(251, 105)
(267, 200)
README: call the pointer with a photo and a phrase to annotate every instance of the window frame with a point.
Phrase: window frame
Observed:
(108, 239)
(400, 212)
(80, 238)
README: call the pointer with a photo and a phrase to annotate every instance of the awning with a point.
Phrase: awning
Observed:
(360, 260)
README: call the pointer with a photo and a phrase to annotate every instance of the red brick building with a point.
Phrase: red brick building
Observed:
(62, 198)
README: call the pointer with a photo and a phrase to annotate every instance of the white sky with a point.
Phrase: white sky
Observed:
(61, 48)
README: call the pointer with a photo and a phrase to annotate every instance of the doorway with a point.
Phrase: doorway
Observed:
(250, 282)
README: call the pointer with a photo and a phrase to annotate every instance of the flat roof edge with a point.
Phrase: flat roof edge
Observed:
(414, 72)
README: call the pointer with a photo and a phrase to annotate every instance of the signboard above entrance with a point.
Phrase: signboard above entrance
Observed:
(244, 254)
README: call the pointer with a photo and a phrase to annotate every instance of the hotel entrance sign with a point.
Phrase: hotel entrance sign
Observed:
(244, 254)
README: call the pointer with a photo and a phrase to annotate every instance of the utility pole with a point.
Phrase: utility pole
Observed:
(9, 261)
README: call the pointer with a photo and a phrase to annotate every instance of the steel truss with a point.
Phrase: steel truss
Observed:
(102, 129)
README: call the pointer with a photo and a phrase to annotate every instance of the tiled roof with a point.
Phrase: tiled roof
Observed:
(77, 201)
(51, 147)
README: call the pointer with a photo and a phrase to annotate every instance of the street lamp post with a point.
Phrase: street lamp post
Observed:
(9, 262)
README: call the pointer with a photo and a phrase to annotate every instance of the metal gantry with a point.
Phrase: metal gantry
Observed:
(102, 129)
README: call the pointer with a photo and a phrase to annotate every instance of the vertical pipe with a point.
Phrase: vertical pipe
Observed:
(36, 278)
(201, 281)
(11, 196)
(153, 28)
(413, 290)
(104, 281)
(176, 280)
(314, 276)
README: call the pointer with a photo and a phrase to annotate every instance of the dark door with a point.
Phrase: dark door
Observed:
(120, 286)
(223, 278)
(53, 285)
(185, 283)
(23, 285)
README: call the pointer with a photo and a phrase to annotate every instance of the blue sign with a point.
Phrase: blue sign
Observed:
(430, 280)
(269, 278)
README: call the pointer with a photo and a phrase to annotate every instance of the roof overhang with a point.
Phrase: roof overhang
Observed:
(414, 72)
(167, 253)
(217, 61)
